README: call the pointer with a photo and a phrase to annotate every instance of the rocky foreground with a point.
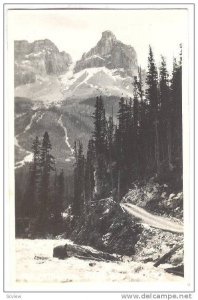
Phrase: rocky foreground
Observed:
(110, 245)
(110, 228)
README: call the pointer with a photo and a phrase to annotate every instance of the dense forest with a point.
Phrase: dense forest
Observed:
(144, 141)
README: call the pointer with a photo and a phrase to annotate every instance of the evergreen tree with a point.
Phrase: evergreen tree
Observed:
(174, 129)
(57, 207)
(143, 127)
(152, 100)
(165, 115)
(89, 174)
(164, 87)
(147, 137)
(124, 147)
(47, 164)
(140, 85)
(99, 134)
(135, 129)
(79, 180)
(61, 188)
(100, 142)
(176, 102)
(30, 204)
(152, 82)
(110, 152)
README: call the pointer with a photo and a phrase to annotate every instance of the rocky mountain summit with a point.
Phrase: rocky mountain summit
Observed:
(42, 73)
(110, 53)
(37, 59)
(54, 94)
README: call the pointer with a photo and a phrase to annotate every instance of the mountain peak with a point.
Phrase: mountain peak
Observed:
(109, 53)
(38, 59)
(108, 35)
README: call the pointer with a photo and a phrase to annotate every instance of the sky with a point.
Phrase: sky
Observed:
(77, 31)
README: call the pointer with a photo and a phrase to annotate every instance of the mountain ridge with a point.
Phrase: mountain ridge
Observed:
(38, 59)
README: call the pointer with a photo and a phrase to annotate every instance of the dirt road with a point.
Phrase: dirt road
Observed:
(152, 220)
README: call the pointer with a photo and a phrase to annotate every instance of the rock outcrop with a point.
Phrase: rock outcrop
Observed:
(39, 58)
(107, 228)
(110, 53)
(60, 252)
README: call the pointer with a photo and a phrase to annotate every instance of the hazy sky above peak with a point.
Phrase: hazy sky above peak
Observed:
(77, 31)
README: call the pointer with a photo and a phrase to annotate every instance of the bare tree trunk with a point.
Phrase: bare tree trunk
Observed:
(95, 183)
(169, 146)
(69, 250)
(157, 146)
(111, 170)
(167, 255)
(119, 185)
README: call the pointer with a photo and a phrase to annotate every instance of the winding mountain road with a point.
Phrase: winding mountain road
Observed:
(152, 220)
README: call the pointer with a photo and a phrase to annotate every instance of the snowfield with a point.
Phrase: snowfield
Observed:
(93, 81)
(35, 264)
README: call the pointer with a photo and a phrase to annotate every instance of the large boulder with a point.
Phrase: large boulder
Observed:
(60, 252)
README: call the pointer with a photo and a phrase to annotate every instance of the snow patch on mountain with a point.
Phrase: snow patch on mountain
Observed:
(27, 159)
(31, 122)
(28, 156)
(46, 90)
(36, 117)
(16, 142)
(19, 115)
(94, 56)
(60, 122)
(96, 81)
(40, 117)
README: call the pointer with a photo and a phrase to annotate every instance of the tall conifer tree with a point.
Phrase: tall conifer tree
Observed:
(153, 102)
(165, 115)
(47, 164)
(79, 180)
(30, 203)
(100, 141)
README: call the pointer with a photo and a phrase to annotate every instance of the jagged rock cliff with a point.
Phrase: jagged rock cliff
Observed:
(39, 58)
(111, 53)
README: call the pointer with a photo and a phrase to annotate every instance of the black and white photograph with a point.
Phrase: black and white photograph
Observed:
(97, 101)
